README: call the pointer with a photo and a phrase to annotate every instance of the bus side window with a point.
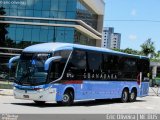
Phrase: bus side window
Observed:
(56, 70)
(114, 63)
(94, 61)
(128, 67)
(63, 53)
(57, 66)
(145, 67)
(106, 64)
(78, 60)
(109, 62)
(77, 65)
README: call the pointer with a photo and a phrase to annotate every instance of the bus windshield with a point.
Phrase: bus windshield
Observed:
(30, 70)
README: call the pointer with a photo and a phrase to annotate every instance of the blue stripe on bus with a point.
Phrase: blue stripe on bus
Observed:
(93, 89)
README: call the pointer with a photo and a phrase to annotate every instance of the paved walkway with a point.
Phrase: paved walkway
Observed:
(7, 92)
(154, 91)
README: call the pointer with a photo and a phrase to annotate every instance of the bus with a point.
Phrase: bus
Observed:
(64, 73)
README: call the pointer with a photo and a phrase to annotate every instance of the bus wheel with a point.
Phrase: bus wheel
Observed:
(133, 95)
(40, 102)
(125, 96)
(67, 98)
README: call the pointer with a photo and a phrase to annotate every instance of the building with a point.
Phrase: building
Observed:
(110, 39)
(155, 69)
(106, 36)
(27, 22)
(115, 40)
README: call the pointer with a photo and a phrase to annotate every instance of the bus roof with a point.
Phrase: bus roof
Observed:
(51, 47)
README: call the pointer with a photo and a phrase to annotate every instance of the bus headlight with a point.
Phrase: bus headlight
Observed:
(14, 88)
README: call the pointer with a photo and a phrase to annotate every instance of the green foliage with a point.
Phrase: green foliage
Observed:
(157, 55)
(148, 48)
(158, 75)
(129, 51)
(155, 60)
(116, 49)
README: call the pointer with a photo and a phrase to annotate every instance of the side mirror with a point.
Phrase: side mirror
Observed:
(12, 60)
(49, 60)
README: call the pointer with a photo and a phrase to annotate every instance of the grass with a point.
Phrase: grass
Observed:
(155, 60)
(6, 85)
(157, 78)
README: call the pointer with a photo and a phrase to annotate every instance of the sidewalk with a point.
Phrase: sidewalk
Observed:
(6, 88)
(6, 92)
(154, 91)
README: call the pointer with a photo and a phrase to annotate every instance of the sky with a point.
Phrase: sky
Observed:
(136, 20)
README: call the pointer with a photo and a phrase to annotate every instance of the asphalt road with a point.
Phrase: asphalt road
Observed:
(149, 104)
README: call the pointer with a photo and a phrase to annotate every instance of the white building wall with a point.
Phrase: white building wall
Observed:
(115, 41)
(110, 39)
(98, 6)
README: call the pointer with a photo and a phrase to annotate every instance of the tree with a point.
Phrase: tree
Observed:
(116, 49)
(157, 55)
(131, 51)
(128, 50)
(148, 48)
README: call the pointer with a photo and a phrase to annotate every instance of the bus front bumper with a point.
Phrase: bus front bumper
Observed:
(48, 95)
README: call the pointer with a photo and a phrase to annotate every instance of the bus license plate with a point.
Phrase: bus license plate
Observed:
(26, 96)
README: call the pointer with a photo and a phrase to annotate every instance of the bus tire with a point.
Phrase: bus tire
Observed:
(40, 102)
(125, 96)
(67, 99)
(133, 95)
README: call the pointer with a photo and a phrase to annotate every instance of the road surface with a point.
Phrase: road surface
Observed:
(149, 104)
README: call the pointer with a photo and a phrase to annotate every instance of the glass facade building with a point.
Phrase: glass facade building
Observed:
(27, 22)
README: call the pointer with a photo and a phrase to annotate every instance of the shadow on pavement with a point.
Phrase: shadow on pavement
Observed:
(77, 103)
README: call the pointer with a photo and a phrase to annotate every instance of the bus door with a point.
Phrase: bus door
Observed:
(143, 83)
(144, 89)
(144, 76)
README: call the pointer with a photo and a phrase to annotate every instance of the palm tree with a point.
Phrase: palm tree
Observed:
(148, 48)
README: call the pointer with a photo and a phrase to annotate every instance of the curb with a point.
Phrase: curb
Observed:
(6, 92)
